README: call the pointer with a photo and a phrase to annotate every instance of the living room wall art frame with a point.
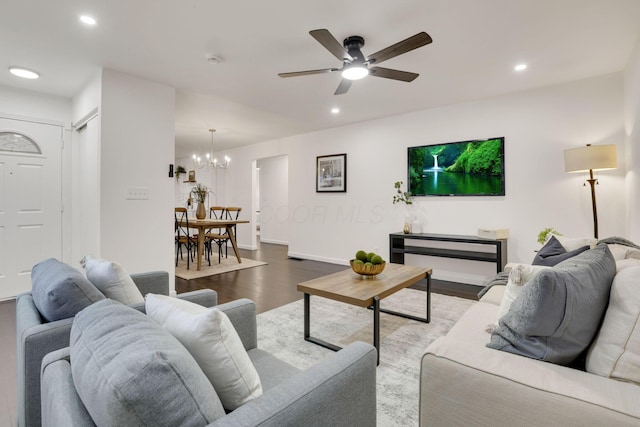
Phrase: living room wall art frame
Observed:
(331, 173)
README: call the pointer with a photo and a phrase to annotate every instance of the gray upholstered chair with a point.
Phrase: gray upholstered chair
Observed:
(36, 337)
(338, 391)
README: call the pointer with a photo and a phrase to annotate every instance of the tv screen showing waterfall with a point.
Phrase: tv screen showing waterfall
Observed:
(465, 168)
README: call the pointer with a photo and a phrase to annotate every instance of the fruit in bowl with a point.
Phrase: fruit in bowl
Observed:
(367, 263)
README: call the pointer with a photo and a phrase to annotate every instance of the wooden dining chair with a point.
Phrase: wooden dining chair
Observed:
(216, 235)
(182, 236)
(232, 213)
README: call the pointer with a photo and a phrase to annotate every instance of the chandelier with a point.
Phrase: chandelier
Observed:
(209, 161)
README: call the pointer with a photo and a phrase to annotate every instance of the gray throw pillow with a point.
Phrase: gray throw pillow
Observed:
(60, 291)
(128, 371)
(558, 313)
(112, 280)
(553, 253)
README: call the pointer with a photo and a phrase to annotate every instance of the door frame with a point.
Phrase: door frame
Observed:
(65, 175)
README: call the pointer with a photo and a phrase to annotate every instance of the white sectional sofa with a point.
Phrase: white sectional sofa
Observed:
(465, 383)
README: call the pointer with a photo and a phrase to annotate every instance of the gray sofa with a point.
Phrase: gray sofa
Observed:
(464, 382)
(35, 337)
(338, 391)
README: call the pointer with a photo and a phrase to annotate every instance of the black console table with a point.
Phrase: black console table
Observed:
(498, 255)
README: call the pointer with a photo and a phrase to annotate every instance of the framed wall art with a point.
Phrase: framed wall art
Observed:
(331, 174)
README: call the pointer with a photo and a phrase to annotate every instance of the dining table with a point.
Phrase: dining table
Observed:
(204, 225)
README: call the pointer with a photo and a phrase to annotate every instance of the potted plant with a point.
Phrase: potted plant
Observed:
(544, 234)
(179, 171)
(199, 193)
(406, 198)
(401, 196)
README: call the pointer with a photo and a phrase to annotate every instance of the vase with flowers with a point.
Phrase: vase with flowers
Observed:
(407, 198)
(200, 193)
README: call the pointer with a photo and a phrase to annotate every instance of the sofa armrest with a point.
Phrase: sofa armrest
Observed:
(61, 405)
(242, 313)
(338, 391)
(204, 297)
(34, 339)
(154, 282)
(494, 295)
(462, 383)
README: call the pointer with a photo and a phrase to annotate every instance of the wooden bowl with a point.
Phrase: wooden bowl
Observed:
(367, 270)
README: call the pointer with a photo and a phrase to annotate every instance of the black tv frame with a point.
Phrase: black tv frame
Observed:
(502, 191)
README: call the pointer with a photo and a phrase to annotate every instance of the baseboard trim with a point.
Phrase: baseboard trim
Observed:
(299, 255)
(462, 290)
(467, 279)
(274, 242)
(248, 247)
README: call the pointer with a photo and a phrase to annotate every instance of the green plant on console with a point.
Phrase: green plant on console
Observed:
(401, 196)
(542, 236)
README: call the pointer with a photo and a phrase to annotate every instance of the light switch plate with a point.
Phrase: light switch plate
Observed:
(137, 193)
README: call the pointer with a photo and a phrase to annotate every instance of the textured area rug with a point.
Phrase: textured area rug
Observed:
(226, 265)
(403, 341)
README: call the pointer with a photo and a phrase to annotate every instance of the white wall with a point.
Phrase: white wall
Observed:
(632, 152)
(130, 143)
(18, 102)
(274, 200)
(538, 125)
(137, 144)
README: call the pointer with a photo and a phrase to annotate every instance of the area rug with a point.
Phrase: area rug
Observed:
(226, 265)
(402, 341)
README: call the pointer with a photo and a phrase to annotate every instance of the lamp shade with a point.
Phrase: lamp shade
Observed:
(591, 157)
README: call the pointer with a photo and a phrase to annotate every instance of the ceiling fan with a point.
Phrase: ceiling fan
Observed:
(355, 65)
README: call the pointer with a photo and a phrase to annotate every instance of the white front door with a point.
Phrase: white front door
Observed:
(30, 200)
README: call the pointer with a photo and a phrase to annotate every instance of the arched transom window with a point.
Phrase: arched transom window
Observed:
(18, 143)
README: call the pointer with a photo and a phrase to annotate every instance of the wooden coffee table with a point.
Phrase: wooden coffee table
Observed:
(351, 288)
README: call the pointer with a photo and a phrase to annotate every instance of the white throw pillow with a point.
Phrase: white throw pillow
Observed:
(519, 276)
(213, 342)
(573, 243)
(633, 253)
(618, 251)
(112, 280)
(615, 353)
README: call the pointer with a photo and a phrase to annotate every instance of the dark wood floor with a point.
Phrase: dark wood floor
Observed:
(270, 286)
(274, 284)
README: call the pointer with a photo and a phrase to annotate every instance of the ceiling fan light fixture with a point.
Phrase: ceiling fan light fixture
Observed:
(355, 72)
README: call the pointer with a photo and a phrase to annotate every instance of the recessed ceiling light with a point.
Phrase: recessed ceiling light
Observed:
(23, 72)
(520, 67)
(335, 110)
(86, 19)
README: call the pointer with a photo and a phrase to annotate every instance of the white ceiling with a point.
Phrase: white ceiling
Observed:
(476, 45)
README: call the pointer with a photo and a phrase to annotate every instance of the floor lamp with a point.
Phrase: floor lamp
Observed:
(591, 158)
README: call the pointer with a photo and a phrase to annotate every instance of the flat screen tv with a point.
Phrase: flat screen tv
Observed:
(464, 168)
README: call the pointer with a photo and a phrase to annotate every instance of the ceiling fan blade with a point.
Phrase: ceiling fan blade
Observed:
(343, 87)
(399, 48)
(326, 39)
(388, 73)
(308, 72)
